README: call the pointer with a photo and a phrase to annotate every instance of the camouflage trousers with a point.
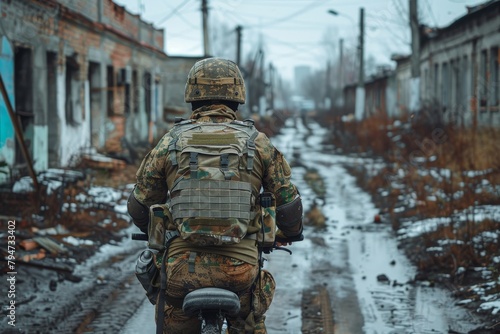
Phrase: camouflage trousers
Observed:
(186, 272)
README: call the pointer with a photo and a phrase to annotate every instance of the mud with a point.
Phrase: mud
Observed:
(332, 283)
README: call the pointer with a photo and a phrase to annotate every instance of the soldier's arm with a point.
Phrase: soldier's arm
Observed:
(277, 179)
(151, 186)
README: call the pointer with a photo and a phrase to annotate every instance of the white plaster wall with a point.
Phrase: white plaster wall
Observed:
(455, 47)
(359, 112)
(73, 138)
(40, 147)
(7, 154)
(414, 102)
(390, 97)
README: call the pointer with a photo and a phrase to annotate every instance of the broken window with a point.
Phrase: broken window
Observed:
(465, 83)
(23, 79)
(456, 84)
(148, 86)
(124, 82)
(494, 86)
(23, 96)
(72, 105)
(135, 92)
(110, 74)
(53, 118)
(426, 83)
(483, 81)
(94, 76)
(445, 86)
(436, 82)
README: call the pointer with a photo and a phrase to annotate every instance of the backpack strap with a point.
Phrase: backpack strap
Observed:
(193, 165)
(174, 134)
(247, 127)
(251, 149)
(224, 166)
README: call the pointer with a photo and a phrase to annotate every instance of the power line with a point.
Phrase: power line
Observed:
(173, 12)
(297, 13)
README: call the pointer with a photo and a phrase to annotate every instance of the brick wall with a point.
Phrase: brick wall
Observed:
(87, 8)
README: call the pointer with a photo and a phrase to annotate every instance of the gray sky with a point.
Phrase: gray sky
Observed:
(293, 31)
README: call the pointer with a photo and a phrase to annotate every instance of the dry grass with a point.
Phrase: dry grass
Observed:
(315, 217)
(443, 169)
(468, 250)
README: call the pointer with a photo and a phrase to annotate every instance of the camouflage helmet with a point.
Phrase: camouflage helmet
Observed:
(215, 79)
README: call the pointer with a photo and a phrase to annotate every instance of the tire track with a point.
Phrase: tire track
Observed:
(317, 314)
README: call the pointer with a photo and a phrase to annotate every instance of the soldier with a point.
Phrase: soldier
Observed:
(215, 88)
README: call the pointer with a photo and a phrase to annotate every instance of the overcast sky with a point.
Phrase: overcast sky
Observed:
(294, 31)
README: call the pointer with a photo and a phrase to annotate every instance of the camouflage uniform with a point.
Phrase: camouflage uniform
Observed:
(233, 267)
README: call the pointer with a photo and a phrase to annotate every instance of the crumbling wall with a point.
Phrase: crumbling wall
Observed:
(70, 112)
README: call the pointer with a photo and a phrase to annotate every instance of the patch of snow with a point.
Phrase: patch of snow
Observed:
(474, 173)
(77, 241)
(23, 185)
(105, 194)
(121, 208)
(494, 306)
(443, 242)
(434, 249)
(465, 301)
(423, 226)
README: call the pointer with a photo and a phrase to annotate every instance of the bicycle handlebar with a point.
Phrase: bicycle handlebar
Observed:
(300, 237)
(140, 236)
(296, 238)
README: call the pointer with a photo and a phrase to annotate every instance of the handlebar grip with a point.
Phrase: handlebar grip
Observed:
(140, 236)
(298, 237)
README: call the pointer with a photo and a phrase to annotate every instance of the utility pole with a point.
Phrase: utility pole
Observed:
(238, 45)
(415, 58)
(262, 87)
(341, 73)
(206, 44)
(360, 90)
(329, 96)
(271, 87)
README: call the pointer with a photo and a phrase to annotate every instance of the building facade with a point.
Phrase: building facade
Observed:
(81, 74)
(460, 67)
(459, 72)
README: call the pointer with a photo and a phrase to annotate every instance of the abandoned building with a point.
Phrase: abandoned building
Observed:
(459, 68)
(82, 74)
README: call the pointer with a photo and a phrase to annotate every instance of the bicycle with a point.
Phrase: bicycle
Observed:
(212, 304)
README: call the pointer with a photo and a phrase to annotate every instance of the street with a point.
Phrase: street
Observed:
(346, 277)
(353, 264)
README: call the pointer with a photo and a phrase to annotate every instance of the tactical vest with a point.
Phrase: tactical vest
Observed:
(211, 204)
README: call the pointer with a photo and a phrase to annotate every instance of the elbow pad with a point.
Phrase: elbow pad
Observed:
(289, 217)
(139, 213)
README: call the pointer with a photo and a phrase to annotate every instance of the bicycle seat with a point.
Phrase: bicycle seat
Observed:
(210, 299)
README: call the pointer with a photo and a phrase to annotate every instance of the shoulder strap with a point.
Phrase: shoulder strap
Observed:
(174, 134)
(189, 124)
(248, 127)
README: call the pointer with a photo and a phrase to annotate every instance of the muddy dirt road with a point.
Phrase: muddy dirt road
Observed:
(347, 277)
(350, 276)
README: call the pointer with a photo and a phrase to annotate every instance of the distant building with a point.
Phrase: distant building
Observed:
(460, 67)
(380, 94)
(301, 75)
(402, 84)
